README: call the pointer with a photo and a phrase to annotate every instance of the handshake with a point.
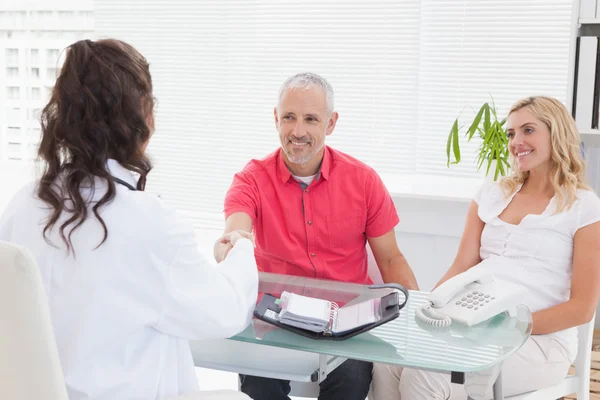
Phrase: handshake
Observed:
(226, 242)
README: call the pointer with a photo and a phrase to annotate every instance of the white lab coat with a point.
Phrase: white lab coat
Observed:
(122, 313)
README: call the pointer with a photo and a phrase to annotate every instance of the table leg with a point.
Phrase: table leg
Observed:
(326, 365)
(497, 388)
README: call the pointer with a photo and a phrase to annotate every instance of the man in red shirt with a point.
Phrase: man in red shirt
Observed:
(312, 210)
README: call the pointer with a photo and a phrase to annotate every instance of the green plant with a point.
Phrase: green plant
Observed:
(494, 142)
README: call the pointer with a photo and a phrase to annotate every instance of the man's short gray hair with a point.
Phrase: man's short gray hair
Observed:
(307, 80)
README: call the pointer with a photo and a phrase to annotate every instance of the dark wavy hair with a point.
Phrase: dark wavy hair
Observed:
(101, 108)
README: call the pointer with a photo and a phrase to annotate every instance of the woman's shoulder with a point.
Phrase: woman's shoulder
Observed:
(588, 199)
(586, 209)
(489, 191)
(159, 218)
(25, 194)
(147, 207)
(588, 194)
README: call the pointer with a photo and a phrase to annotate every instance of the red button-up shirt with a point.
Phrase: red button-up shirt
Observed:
(319, 230)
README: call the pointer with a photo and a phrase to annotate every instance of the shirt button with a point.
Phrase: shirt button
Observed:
(309, 222)
(305, 190)
(312, 254)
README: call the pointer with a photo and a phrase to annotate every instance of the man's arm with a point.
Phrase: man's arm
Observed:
(239, 221)
(391, 261)
(241, 205)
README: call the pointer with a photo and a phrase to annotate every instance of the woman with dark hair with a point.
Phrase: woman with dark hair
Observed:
(126, 284)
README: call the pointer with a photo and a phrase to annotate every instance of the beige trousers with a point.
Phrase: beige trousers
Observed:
(539, 363)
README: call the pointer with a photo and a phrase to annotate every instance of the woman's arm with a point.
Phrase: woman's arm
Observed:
(585, 286)
(468, 250)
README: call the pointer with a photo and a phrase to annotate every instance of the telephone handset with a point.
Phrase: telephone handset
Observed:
(469, 298)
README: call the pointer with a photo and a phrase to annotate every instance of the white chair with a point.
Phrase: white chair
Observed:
(29, 362)
(578, 383)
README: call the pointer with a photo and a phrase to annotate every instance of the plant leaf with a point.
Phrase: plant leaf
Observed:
(502, 150)
(493, 108)
(501, 166)
(453, 144)
(486, 120)
(449, 144)
(475, 124)
(491, 154)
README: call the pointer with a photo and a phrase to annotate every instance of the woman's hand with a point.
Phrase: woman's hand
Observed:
(225, 243)
(234, 236)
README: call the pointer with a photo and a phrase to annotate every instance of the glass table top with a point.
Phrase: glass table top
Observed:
(403, 341)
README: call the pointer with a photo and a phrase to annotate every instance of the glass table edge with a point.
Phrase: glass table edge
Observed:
(522, 313)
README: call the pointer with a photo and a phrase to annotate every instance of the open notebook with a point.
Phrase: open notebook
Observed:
(322, 319)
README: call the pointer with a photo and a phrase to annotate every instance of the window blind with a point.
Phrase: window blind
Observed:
(471, 50)
(401, 71)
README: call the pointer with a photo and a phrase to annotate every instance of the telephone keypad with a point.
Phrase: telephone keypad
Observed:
(474, 300)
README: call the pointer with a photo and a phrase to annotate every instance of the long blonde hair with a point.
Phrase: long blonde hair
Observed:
(567, 170)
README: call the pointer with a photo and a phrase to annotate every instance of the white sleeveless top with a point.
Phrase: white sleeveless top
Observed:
(539, 248)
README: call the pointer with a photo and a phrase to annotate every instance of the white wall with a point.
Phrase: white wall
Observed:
(428, 235)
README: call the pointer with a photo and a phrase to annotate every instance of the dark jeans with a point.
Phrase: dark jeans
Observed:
(349, 381)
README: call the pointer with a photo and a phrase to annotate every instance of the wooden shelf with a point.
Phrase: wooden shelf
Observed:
(595, 372)
(589, 21)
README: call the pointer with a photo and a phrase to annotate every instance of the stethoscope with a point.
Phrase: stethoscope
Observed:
(122, 182)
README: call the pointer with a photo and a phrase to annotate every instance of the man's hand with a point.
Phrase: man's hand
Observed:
(225, 243)
(234, 236)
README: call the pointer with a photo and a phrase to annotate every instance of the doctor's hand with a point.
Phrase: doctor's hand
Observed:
(234, 236)
(226, 242)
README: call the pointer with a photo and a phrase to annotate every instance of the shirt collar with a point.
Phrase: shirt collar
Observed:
(326, 163)
(285, 174)
(118, 171)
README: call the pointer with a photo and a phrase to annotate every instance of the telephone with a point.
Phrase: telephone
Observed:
(469, 298)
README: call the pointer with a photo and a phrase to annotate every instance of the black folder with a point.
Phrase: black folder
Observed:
(268, 309)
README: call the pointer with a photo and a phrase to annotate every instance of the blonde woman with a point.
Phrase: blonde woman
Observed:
(543, 223)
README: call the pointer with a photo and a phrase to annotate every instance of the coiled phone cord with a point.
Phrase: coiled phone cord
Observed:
(431, 317)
